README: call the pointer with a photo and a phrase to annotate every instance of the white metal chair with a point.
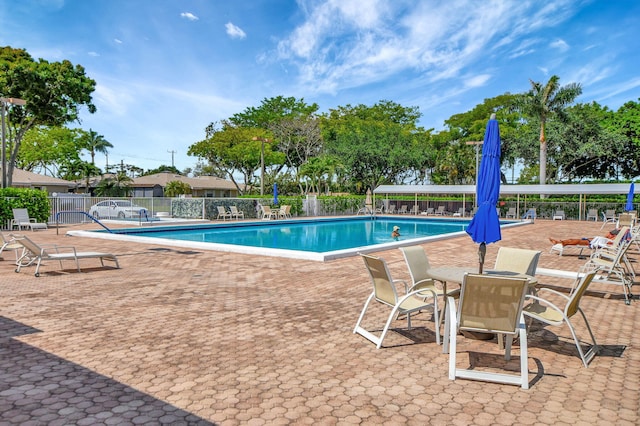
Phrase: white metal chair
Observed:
(522, 261)
(21, 219)
(385, 292)
(592, 214)
(511, 213)
(559, 215)
(608, 216)
(548, 313)
(235, 213)
(223, 213)
(488, 304)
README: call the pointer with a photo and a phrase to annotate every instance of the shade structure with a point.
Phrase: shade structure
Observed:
(629, 206)
(484, 228)
(275, 194)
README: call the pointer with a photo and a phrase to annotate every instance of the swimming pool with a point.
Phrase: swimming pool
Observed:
(312, 239)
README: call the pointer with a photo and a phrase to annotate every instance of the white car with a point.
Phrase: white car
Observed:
(116, 208)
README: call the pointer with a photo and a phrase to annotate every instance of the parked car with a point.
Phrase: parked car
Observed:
(116, 208)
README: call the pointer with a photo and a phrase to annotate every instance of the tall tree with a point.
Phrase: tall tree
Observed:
(544, 103)
(54, 93)
(93, 142)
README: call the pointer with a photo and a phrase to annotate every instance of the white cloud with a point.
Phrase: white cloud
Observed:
(94, 54)
(560, 45)
(117, 41)
(190, 16)
(343, 44)
(234, 31)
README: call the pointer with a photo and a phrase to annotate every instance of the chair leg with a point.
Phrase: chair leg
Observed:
(452, 334)
(524, 360)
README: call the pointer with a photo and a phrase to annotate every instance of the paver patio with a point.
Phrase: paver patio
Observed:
(181, 336)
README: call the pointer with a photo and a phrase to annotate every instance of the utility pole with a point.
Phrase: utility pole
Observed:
(172, 153)
(477, 144)
(262, 140)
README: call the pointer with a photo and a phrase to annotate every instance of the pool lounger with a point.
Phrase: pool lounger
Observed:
(35, 253)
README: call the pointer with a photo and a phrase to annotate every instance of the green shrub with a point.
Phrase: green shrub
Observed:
(34, 200)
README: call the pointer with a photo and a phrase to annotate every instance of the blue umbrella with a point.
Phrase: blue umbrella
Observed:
(275, 194)
(629, 205)
(485, 225)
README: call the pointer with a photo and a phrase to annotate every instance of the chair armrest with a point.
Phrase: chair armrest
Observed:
(547, 290)
(406, 287)
(71, 249)
(542, 302)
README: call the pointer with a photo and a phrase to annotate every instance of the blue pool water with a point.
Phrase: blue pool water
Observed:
(317, 239)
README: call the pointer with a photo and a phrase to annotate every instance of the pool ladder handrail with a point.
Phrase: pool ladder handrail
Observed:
(84, 213)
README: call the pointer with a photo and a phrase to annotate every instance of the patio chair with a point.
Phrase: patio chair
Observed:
(223, 213)
(235, 213)
(36, 253)
(459, 213)
(429, 211)
(592, 214)
(549, 313)
(284, 212)
(267, 213)
(559, 215)
(488, 304)
(391, 209)
(518, 260)
(385, 292)
(21, 219)
(415, 209)
(441, 211)
(608, 216)
(403, 209)
(511, 213)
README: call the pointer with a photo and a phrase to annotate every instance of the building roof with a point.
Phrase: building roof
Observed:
(199, 182)
(29, 179)
(560, 189)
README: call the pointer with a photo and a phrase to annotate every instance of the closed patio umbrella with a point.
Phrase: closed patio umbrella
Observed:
(275, 194)
(484, 228)
(629, 206)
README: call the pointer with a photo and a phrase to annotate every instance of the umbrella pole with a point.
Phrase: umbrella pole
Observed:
(482, 250)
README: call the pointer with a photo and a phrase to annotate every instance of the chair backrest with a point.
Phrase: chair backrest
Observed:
(266, 209)
(518, 260)
(383, 288)
(491, 303)
(28, 244)
(593, 212)
(403, 208)
(417, 261)
(221, 210)
(531, 213)
(623, 233)
(574, 301)
(626, 219)
(440, 209)
(610, 214)
(21, 215)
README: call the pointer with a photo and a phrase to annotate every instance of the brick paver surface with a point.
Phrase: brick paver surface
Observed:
(181, 336)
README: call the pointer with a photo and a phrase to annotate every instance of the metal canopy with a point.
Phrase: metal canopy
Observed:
(561, 189)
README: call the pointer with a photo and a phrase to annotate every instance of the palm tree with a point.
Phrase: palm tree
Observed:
(117, 186)
(545, 103)
(93, 142)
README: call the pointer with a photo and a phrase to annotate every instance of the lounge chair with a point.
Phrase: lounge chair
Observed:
(415, 209)
(608, 216)
(36, 253)
(10, 244)
(235, 213)
(626, 219)
(223, 213)
(21, 219)
(511, 213)
(530, 214)
(391, 209)
(459, 213)
(429, 211)
(403, 209)
(549, 313)
(488, 304)
(592, 214)
(385, 292)
(580, 243)
(440, 211)
(614, 264)
(559, 215)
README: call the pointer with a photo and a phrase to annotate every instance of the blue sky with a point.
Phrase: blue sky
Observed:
(165, 69)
